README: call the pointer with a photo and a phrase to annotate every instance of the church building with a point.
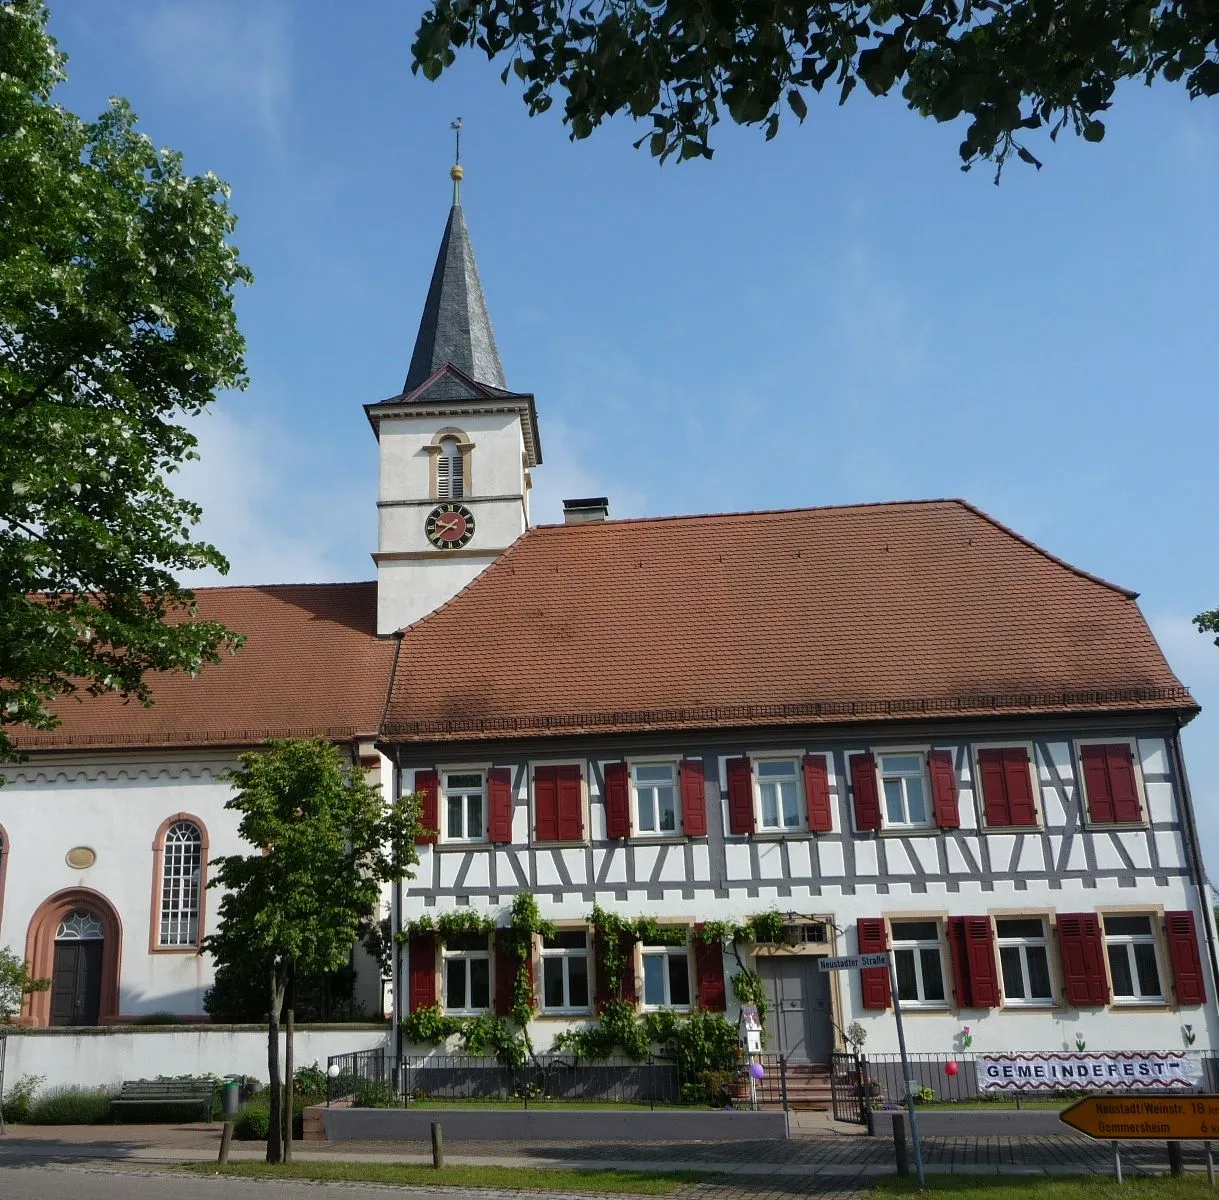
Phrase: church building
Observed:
(894, 726)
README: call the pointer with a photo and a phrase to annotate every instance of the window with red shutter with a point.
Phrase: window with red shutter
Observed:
(1007, 786)
(971, 944)
(1110, 786)
(943, 774)
(867, 794)
(626, 984)
(874, 939)
(427, 784)
(617, 800)
(507, 966)
(709, 967)
(1081, 946)
(693, 797)
(546, 804)
(499, 804)
(421, 954)
(571, 803)
(1185, 956)
(817, 793)
(740, 796)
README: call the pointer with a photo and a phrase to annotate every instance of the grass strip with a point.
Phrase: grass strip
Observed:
(1041, 1187)
(534, 1179)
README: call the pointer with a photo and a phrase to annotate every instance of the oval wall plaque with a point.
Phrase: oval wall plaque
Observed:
(81, 857)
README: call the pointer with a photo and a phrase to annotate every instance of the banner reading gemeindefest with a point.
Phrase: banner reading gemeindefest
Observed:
(1119, 1070)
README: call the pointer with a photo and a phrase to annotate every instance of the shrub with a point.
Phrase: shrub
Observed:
(19, 1096)
(157, 1018)
(375, 1093)
(254, 1120)
(71, 1106)
(310, 1083)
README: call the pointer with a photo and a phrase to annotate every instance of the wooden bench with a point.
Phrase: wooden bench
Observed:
(200, 1093)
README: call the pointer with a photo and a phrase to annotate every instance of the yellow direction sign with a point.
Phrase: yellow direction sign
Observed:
(1157, 1118)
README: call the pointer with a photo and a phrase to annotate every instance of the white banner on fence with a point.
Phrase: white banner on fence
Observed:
(1119, 1069)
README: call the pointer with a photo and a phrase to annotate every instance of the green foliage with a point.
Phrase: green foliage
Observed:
(19, 1096)
(70, 1106)
(460, 922)
(489, 1035)
(117, 321)
(429, 1026)
(15, 984)
(1009, 66)
(924, 1095)
(1208, 622)
(764, 927)
(748, 988)
(239, 994)
(524, 924)
(309, 1083)
(375, 1093)
(157, 1018)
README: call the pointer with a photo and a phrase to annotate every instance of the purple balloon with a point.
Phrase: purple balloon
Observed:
(756, 1070)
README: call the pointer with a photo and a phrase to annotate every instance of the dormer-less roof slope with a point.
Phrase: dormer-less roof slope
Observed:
(831, 614)
(312, 666)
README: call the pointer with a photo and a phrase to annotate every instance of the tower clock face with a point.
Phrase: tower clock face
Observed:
(449, 526)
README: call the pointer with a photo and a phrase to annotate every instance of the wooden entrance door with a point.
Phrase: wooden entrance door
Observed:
(76, 983)
(798, 1023)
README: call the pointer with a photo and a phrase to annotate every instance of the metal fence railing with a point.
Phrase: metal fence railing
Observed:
(372, 1078)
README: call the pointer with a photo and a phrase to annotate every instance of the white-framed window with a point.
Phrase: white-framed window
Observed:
(918, 962)
(181, 865)
(1134, 968)
(450, 471)
(467, 974)
(1024, 959)
(778, 789)
(666, 977)
(565, 971)
(904, 791)
(655, 796)
(465, 806)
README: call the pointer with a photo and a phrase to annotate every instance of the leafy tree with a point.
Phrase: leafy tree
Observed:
(323, 842)
(1208, 622)
(15, 984)
(116, 321)
(1008, 66)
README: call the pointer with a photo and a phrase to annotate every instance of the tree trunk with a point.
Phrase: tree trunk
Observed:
(289, 1108)
(274, 1129)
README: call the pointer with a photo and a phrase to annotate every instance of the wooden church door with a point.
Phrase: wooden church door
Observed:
(76, 979)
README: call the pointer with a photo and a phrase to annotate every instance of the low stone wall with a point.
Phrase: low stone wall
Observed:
(533, 1125)
(107, 1055)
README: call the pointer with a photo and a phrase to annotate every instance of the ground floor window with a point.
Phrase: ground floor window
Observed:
(467, 974)
(666, 977)
(1025, 960)
(1133, 968)
(565, 971)
(918, 963)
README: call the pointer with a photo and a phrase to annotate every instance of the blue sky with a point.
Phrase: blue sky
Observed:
(839, 315)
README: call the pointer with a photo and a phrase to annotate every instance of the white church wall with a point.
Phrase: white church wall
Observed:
(105, 1057)
(406, 593)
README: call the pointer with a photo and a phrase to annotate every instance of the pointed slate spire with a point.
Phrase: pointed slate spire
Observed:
(455, 327)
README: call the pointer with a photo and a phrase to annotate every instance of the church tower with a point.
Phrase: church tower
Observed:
(456, 447)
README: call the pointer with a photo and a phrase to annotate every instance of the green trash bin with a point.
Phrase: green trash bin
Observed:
(230, 1098)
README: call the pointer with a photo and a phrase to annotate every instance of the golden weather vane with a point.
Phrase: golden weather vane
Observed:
(456, 173)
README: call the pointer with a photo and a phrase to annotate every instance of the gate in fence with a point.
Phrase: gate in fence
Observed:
(849, 1087)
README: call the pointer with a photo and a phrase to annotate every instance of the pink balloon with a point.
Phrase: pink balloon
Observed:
(951, 1068)
(756, 1070)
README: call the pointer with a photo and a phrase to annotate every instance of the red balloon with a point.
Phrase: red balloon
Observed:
(951, 1068)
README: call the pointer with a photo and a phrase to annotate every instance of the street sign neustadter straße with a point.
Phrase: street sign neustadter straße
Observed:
(853, 962)
(1157, 1118)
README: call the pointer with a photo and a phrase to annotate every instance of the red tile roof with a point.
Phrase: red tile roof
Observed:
(311, 666)
(827, 614)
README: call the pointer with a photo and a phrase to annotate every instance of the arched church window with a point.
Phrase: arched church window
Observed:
(181, 879)
(80, 926)
(450, 471)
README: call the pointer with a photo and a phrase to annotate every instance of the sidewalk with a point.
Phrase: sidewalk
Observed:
(816, 1163)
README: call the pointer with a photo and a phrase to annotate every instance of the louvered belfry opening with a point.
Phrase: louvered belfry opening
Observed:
(450, 471)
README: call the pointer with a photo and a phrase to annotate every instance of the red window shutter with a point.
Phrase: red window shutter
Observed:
(505, 979)
(817, 793)
(499, 804)
(740, 796)
(974, 971)
(867, 796)
(873, 939)
(617, 800)
(1019, 783)
(993, 780)
(944, 789)
(1096, 784)
(1186, 957)
(693, 797)
(709, 967)
(422, 955)
(546, 804)
(428, 785)
(626, 989)
(1122, 785)
(571, 804)
(1082, 947)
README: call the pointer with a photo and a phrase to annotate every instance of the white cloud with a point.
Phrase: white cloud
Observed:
(230, 59)
(272, 506)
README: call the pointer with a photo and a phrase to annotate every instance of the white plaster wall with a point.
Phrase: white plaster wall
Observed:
(408, 590)
(497, 524)
(106, 1057)
(115, 808)
(496, 465)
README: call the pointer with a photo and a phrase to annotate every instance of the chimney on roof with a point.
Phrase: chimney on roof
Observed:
(585, 511)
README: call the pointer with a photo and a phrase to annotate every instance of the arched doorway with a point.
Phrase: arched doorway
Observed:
(75, 940)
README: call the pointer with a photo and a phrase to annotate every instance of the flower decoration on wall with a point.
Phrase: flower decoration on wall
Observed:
(1187, 1032)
